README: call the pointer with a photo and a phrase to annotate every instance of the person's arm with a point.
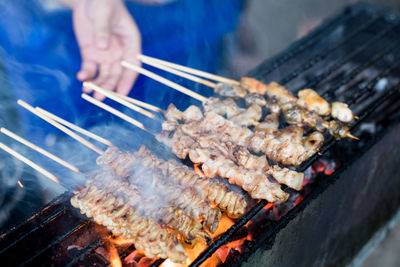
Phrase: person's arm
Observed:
(106, 34)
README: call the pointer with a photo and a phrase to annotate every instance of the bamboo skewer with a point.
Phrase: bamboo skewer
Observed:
(164, 81)
(189, 70)
(29, 163)
(114, 111)
(352, 136)
(349, 135)
(140, 103)
(118, 99)
(40, 150)
(60, 127)
(74, 127)
(178, 73)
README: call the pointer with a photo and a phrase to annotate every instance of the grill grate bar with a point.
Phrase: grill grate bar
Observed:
(54, 242)
(326, 52)
(347, 58)
(41, 225)
(327, 93)
(315, 37)
(89, 249)
(362, 95)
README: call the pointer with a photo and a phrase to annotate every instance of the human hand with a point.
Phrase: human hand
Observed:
(106, 34)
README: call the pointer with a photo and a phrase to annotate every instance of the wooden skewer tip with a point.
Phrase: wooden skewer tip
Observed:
(74, 127)
(118, 99)
(60, 127)
(29, 163)
(39, 149)
(352, 136)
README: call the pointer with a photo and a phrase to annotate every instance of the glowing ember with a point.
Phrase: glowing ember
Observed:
(224, 224)
(268, 206)
(298, 200)
(119, 241)
(223, 253)
(198, 170)
(115, 261)
(20, 184)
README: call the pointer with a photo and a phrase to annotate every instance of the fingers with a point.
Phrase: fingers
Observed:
(132, 43)
(111, 82)
(102, 25)
(126, 82)
(87, 71)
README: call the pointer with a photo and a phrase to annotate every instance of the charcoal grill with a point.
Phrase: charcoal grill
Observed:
(351, 58)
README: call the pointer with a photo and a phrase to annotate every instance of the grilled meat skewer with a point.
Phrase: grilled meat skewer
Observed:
(307, 110)
(153, 206)
(215, 163)
(123, 220)
(133, 166)
(278, 145)
(215, 191)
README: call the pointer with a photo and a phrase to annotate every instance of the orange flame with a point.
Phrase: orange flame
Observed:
(115, 261)
(268, 206)
(119, 241)
(298, 200)
(198, 170)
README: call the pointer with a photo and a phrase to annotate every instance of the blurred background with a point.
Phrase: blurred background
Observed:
(39, 59)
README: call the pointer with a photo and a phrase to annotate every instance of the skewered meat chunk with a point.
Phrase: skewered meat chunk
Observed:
(338, 129)
(253, 98)
(134, 167)
(192, 113)
(227, 200)
(306, 111)
(269, 123)
(310, 100)
(185, 198)
(255, 183)
(275, 90)
(215, 191)
(153, 206)
(278, 145)
(226, 107)
(342, 112)
(230, 90)
(250, 116)
(232, 141)
(172, 113)
(287, 146)
(253, 86)
(215, 163)
(123, 220)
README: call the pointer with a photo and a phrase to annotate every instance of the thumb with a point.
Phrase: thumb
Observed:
(102, 26)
